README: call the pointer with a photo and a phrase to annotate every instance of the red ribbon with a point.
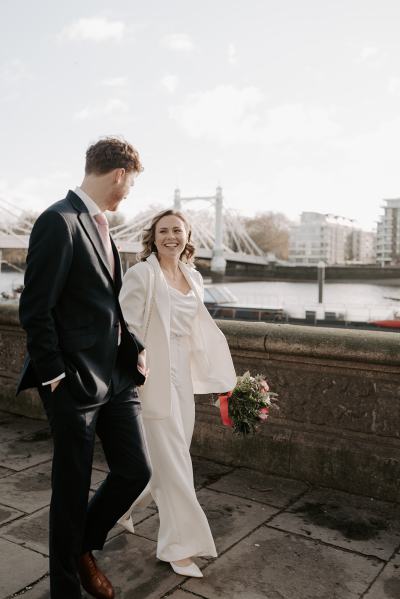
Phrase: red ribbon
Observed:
(224, 409)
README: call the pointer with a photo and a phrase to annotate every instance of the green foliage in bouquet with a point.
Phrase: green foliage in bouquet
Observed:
(249, 403)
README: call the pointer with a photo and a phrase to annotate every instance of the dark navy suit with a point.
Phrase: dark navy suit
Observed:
(69, 308)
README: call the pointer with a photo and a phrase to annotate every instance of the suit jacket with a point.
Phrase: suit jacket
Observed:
(212, 368)
(69, 306)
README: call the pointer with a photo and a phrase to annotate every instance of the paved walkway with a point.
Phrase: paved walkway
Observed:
(277, 538)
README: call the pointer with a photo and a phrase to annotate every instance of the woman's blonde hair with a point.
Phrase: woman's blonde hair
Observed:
(149, 235)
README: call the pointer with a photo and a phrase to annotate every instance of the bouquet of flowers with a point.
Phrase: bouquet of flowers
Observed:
(248, 405)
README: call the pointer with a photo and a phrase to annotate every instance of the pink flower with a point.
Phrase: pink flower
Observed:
(264, 387)
(263, 414)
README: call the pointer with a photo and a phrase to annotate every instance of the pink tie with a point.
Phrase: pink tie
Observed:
(102, 225)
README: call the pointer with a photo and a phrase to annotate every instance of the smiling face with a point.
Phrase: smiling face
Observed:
(170, 237)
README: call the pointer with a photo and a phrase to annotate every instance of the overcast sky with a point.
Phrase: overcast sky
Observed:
(289, 105)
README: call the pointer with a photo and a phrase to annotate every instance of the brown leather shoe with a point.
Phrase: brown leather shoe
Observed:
(92, 579)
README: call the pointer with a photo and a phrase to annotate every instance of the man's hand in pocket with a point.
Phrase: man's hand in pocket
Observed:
(54, 386)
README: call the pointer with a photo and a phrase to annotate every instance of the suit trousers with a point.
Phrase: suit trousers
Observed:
(77, 526)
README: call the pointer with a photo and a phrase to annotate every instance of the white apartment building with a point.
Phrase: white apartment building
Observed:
(388, 234)
(362, 247)
(331, 239)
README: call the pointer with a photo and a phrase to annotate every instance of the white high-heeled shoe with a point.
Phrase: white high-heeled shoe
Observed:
(191, 570)
(127, 523)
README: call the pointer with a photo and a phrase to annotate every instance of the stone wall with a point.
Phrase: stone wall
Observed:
(339, 397)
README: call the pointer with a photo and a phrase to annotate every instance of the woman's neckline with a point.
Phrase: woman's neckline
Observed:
(181, 292)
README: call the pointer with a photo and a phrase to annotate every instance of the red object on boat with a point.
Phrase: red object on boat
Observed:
(392, 324)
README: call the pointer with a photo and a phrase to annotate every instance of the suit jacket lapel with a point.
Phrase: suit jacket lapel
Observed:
(118, 266)
(90, 229)
(190, 280)
(161, 298)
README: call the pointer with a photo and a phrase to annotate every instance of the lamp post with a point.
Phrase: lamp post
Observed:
(321, 280)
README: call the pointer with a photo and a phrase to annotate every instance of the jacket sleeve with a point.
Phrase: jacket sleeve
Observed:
(47, 267)
(132, 299)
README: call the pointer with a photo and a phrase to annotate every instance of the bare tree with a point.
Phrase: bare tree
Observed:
(270, 231)
(25, 221)
(115, 219)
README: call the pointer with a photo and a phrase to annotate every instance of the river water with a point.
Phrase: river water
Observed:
(355, 301)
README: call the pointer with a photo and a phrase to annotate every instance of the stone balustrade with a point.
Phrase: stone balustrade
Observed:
(339, 396)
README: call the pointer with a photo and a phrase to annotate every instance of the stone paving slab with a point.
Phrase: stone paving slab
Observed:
(21, 567)
(13, 426)
(38, 591)
(27, 451)
(132, 567)
(272, 564)
(207, 472)
(29, 490)
(97, 478)
(357, 523)
(181, 594)
(7, 514)
(273, 490)
(99, 461)
(32, 531)
(230, 518)
(5, 471)
(387, 586)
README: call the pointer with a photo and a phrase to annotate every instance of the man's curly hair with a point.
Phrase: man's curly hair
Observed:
(109, 153)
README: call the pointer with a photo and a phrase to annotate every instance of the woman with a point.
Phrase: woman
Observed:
(162, 302)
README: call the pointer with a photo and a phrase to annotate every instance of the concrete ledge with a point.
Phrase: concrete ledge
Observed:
(327, 343)
(339, 395)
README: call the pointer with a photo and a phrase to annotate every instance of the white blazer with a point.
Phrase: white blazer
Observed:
(212, 368)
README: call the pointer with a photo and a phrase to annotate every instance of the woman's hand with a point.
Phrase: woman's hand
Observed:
(141, 364)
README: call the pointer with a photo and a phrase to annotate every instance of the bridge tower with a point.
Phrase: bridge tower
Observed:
(218, 262)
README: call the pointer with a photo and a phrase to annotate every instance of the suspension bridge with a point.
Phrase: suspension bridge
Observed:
(218, 234)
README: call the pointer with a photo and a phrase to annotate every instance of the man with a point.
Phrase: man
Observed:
(85, 364)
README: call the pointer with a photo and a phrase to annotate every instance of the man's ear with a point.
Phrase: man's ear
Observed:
(119, 175)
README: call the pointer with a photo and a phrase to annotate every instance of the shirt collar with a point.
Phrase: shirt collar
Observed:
(90, 204)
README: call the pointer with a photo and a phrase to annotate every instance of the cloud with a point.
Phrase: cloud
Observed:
(370, 55)
(170, 83)
(29, 192)
(113, 106)
(367, 52)
(300, 123)
(115, 82)
(13, 75)
(394, 86)
(13, 71)
(94, 29)
(224, 114)
(229, 115)
(178, 41)
(232, 58)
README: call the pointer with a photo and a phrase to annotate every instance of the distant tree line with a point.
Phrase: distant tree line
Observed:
(270, 231)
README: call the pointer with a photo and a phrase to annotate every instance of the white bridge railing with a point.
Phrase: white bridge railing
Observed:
(218, 235)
